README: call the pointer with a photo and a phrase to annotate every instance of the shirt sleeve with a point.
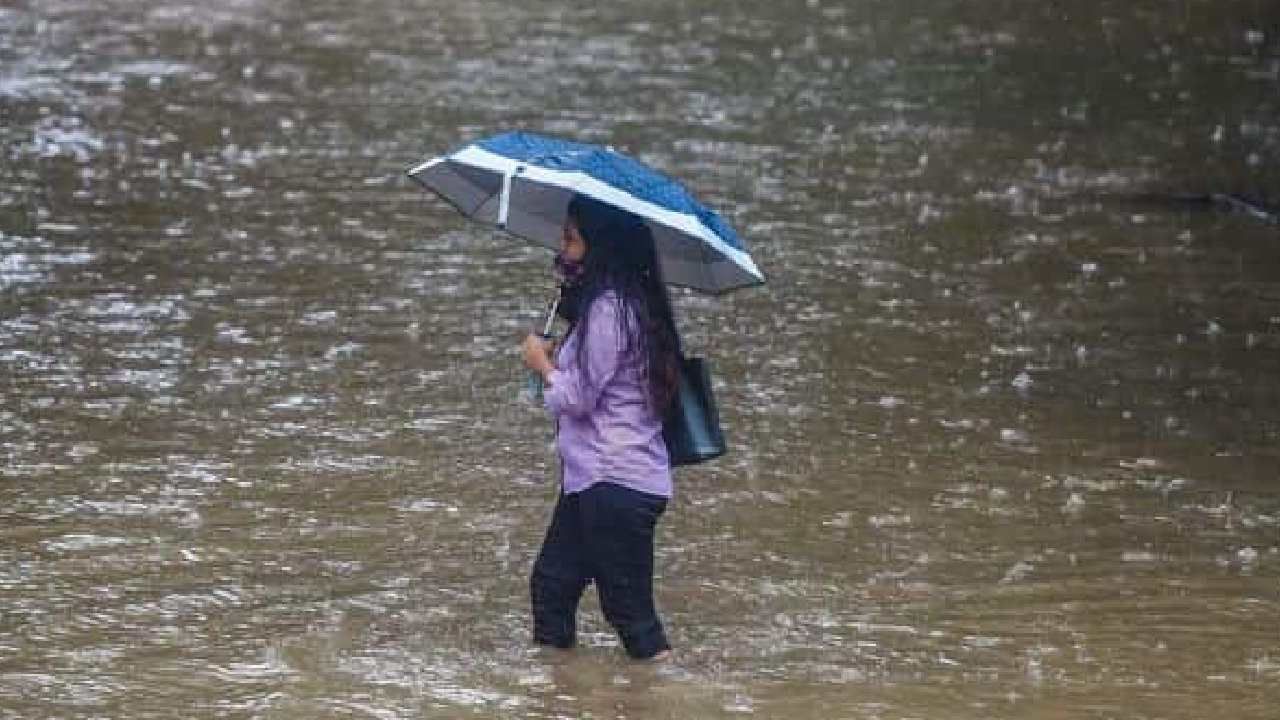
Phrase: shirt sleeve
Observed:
(570, 390)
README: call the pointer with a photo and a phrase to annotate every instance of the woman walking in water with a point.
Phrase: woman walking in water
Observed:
(608, 387)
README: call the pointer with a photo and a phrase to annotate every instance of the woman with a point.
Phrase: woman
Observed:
(608, 388)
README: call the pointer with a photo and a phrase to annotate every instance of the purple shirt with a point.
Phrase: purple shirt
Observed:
(606, 427)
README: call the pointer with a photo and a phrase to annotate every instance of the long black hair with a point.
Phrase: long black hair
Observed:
(621, 259)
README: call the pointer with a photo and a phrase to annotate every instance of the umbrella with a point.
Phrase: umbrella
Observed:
(522, 183)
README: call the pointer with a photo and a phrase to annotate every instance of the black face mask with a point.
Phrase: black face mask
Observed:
(570, 273)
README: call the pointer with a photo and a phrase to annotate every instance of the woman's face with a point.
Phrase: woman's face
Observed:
(572, 245)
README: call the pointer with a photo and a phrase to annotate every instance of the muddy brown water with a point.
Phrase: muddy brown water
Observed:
(1003, 444)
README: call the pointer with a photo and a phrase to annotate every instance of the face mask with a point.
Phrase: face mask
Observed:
(570, 274)
(570, 271)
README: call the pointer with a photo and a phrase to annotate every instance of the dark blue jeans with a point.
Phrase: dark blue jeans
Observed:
(602, 534)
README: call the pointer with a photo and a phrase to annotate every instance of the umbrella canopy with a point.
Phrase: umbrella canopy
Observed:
(522, 183)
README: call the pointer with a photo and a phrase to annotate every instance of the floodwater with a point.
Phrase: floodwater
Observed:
(1005, 430)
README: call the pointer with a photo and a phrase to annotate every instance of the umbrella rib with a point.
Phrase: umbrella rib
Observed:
(483, 200)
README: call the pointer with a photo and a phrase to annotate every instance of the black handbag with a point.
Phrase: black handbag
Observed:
(692, 428)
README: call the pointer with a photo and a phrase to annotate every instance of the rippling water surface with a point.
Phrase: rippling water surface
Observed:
(1004, 422)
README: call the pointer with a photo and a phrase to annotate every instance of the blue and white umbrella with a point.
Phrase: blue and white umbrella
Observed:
(522, 183)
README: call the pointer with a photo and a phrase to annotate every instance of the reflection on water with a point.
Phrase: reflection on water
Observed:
(1004, 438)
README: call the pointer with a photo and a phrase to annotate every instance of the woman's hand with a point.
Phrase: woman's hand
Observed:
(536, 352)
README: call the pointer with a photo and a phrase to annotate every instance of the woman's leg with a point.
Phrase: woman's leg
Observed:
(619, 526)
(559, 576)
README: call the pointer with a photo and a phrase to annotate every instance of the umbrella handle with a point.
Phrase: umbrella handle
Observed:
(551, 318)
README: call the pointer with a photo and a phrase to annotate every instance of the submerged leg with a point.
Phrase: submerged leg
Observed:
(559, 577)
(619, 525)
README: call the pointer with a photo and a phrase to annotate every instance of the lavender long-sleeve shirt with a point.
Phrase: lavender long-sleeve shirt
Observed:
(607, 429)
